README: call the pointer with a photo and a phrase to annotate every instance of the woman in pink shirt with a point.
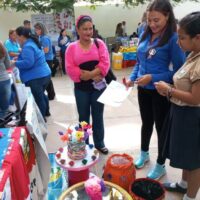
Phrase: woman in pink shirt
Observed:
(87, 63)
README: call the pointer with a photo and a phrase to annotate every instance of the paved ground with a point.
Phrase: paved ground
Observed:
(122, 127)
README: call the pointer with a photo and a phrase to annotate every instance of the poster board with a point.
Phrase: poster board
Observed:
(55, 22)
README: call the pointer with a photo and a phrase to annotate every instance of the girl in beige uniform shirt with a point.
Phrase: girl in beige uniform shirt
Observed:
(182, 146)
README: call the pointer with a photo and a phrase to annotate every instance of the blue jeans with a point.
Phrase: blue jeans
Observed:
(38, 87)
(5, 94)
(86, 102)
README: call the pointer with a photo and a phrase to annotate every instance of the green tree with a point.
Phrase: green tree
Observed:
(44, 6)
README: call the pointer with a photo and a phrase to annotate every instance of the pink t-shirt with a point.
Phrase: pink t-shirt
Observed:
(75, 55)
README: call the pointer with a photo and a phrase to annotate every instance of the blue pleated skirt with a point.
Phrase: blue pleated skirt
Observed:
(182, 132)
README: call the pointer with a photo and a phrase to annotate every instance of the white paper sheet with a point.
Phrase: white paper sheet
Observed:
(115, 94)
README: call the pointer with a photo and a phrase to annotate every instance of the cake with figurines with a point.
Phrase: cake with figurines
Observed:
(75, 137)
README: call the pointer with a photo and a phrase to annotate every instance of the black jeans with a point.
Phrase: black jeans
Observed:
(50, 88)
(62, 55)
(153, 109)
(38, 86)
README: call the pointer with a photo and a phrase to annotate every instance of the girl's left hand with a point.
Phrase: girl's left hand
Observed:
(162, 87)
(144, 80)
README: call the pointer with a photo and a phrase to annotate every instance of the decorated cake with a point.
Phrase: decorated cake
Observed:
(75, 137)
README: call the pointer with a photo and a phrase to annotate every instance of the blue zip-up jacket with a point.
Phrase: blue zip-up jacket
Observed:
(63, 45)
(31, 62)
(45, 41)
(166, 60)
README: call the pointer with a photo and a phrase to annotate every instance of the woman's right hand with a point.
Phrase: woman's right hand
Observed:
(128, 83)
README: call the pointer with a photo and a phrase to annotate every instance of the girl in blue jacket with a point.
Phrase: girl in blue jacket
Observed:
(63, 42)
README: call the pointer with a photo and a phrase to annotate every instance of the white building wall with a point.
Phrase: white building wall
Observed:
(11, 19)
(107, 17)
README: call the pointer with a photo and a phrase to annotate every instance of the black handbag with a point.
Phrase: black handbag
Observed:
(110, 75)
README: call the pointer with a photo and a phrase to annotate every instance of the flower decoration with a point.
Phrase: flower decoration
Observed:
(60, 149)
(62, 161)
(58, 155)
(71, 163)
(94, 157)
(78, 133)
(94, 187)
(84, 161)
(65, 137)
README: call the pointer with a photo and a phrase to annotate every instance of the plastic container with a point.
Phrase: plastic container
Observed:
(129, 56)
(117, 59)
(119, 169)
(144, 188)
(57, 180)
(128, 63)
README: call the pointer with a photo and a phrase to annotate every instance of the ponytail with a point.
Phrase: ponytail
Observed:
(26, 32)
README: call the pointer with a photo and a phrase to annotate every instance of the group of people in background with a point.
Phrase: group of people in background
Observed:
(168, 83)
(32, 57)
(121, 29)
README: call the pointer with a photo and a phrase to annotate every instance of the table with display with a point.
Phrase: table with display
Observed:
(23, 148)
(126, 57)
(129, 56)
(112, 191)
(78, 170)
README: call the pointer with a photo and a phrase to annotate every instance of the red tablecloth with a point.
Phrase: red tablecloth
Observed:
(17, 164)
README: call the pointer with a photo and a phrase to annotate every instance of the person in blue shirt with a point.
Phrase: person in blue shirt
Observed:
(63, 42)
(34, 70)
(13, 49)
(158, 58)
(11, 45)
(27, 24)
(45, 41)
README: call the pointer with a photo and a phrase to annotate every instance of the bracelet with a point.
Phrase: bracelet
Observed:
(169, 93)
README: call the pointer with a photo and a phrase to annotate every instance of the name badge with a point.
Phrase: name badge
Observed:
(151, 53)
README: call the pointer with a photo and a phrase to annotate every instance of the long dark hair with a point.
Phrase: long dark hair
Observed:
(191, 24)
(26, 32)
(61, 32)
(164, 7)
(2, 51)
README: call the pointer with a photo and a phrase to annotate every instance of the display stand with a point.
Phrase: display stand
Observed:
(79, 171)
